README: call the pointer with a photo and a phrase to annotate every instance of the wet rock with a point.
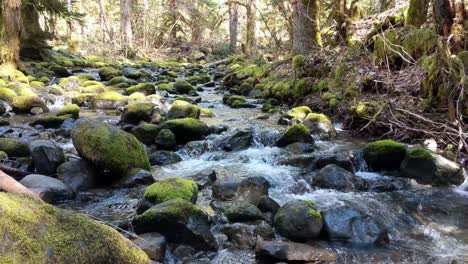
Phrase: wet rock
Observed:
(264, 229)
(274, 251)
(239, 141)
(137, 112)
(49, 121)
(79, 175)
(298, 220)
(36, 111)
(182, 109)
(384, 155)
(300, 148)
(172, 188)
(186, 129)
(46, 156)
(108, 101)
(218, 129)
(334, 177)
(131, 73)
(296, 133)
(184, 253)
(48, 188)
(428, 168)
(240, 236)
(166, 139)
(252, 189)
(268, 205)
(153, 244)
(107, 73)
(349, 224)
(24, 104)
(204, 178)
(146, 132)
(163, 158)
(14, 148)
(136, 177)
(113, 151)
(225, 188)
(238, 211)
(179, 221)
(320, 124)
(305, 161)
(183, 87)
(342, 160)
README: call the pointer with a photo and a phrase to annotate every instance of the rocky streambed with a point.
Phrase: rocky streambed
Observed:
(192, 174)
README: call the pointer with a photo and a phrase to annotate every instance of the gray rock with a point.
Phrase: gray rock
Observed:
(300, 148)
(225, 188)
(268, 205)
(340, 159)
(131, 73)
(163, 158)
(240, 236)
(239, 141)
(80, 174)
(48, 188)
(153, 244)
(135, 178)
(252, 189)
(334, 177)
(290, 251)
(46, 156)
(238, 211)
(298, 220)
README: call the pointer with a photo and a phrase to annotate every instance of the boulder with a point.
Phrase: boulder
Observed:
(298, 220)
(131, 73)
(179, 221)
(48, 188)
(172, 188)
(186, 129)
(163, 158)
(14, 148)
(429, 168)
(107, 73)
(241, 140)
(40, 233)
(252, 189)
(79, 175)
(349, 224)
(238, 211)
(146, 132)
(240, 236)
(166, 139)
(113, 151)
(296, 133)
(137, 112)
(268, 205)
(384, 155)
(144, 88)
(275, 251)
(24, 104)
(320, 124)
(72, 109)
(135, 178)
(334, 177)
(153, 244)
(108, 101)
(183, 87)
(46, 156)
(225, 188)
(182, 109)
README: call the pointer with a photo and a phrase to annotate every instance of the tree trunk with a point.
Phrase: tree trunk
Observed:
(10, 32)
(233, 24)
(443, 17)
(306, 25)
(196, 24)
(173, 19)
(417, 12)
(341, 21)
(461, 11)
(146, 9)
(250, 38)
(126, 26)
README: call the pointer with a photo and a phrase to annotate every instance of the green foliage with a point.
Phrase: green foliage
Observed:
(298, 62)
(170, 189)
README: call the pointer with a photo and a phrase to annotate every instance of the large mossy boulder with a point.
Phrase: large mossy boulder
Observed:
(107, 73)
(320, 124)
(14, 148)
(7, 94)
(183, 87)
(24, 104)
(182, 109)
(298, 220)
(40, 233)
(186, 129)
(108, 101)
(110, 149)
(172, 188)
(145, 88)
(145, 132)
(429, 168)
(137, 112)
(384, 155)
(296, 133)
(179, 221)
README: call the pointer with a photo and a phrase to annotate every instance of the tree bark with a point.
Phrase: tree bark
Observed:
(10, 32)
(417, 12)
(233, 25)
(250, 39)
(443, 17)
(126, 26)
(10, 185)
(196, 22)
(146, 9)
(306, 25)
(341, 21)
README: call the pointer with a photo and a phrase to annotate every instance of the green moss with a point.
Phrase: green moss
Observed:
(300, 112)
(302, 88)
(82, 99)
(179, 210)
(7, 94)
(318, 117)
(37, 84)
(172, 74)
(91, 83)
(72, 109)
(40, 233)
(110, 96)
(367, 110)
(206, 112)
(172, 189)
(26, 92)
(85, 77)
(421, 153)
(107, 73)
(119, 80)
(3, 155)
(296, 133)
(186, 129)
(71, 79)
(313, 209)
(23, 104)
(387, 146)
(137, 97)
(50, 121)
(94, 89)
(298, 61)
(13, 75)
(14, 148)
(146, 88)
(328, 96)
(333, 103)
(165, 87)
(183, 87)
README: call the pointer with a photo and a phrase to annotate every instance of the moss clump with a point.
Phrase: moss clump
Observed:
(136, 97)
(92, 83)
(182, 109)
(183, 87)
(85, 77)
(59, 71)
(14, 148)
(298, 61)
(172, 74)
(107, 73)
(37, 84)
(367, 110)
(300, 112)
(119, 80)
(13, 75)
(70, 81)
(173, 188)
(313, 211)
(296, 133)
(50, 121)
(3, 155)
(146, 88)
(136, 112)
(165, 87)
(72, 109)
(110, 96)
(302, 88)
(110, 149)
(176, 210)
(421, 153)
(318, 118)
(40, 233)
(186, 129)
(328, 96)
(83, 99)
(7, 94)
(206, 112)
(333, 103)
(23, 104)
(384, 154)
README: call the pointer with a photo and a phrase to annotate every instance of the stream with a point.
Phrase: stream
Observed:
(425, 224)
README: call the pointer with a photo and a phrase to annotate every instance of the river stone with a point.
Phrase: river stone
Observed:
(166, 139)
(34, 232)
(241, 140)
(136, 177)
(300, 148)
(131, 73)
(179, 221)
(172, 188)
(79, 174)
(24, 104)
(334, 177)
(186, 129)
(46, 156)
(296, 133)
(182, 109)
(431, 168)
(293, 252)
(252, 189)
(204, 178)
(225, 188)
(298, 220)
(320, 124)
(48, 188)
(238, 211)
(137, 112)
(268, 205)
(153, 244)
(113, 151)
(240, 236)
(163, 158)
(14, 148)
(349, 224)
(145, 132)
(384, 155)
(342, 160)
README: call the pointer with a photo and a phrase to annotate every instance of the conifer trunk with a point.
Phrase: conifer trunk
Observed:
(306, 32)
(417, 12)
(126, 26)
(10, 32)
(233, 25)
(250, 39)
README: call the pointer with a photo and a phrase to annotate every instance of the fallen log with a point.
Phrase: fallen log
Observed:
(10, 185)
(14, 173)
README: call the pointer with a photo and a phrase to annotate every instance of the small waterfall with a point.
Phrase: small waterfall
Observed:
(57, 103)
(360, 164)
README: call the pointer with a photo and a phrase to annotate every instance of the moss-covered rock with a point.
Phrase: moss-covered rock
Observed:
(182, 109)
(91, 83)
(146, 132)
(72, 109)
(165, 87)
(183, 87)
(94, 89)
(83, 99)
(110, 149)
(40, 233)
(14, 148)
(120, 81)
(137, 112)
(320, 124)
(165, 139)
(107, 73)
(26, 91)
(186, 129)
(137, 97)
(59, 71)
(146, 88)
(3, 155)
(7, 94)
(70, 84)
(50, 121)
(24, 104)
(109, 100)
(172, 188)
(384, 155)
(235, 101)
(11, 75)
(299, 112)
(298, 220)
(296, 133)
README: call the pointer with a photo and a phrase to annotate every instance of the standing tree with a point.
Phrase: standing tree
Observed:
(443, 16)
(233, 25)
(340, 19)
(306, 32)
(10, 32)
(250, 38)
(126, 26)
(417, 12)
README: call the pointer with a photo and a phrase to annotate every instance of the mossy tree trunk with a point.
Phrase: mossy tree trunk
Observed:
(126, 26)
(233, 25)
(443, 17)
(417, 12)
(341, 21)
(306, 32)
(10, 32)
(196, 24)
(250, 38)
